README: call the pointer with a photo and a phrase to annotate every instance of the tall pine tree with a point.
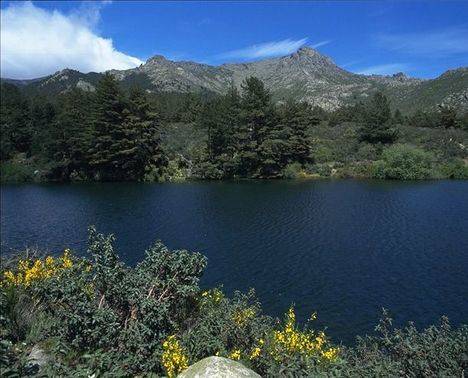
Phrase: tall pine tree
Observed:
(109, 136)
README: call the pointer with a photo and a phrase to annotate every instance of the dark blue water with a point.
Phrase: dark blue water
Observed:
(342, 248)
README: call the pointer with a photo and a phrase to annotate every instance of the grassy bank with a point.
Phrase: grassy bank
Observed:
(95, 316)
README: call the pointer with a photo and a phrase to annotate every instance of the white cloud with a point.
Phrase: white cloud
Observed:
(36, 42)
(445, 42)
(384, 69)
(320, 44)
(265, 50)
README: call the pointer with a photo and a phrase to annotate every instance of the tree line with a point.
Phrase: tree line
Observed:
(112, 134)
(106, 135)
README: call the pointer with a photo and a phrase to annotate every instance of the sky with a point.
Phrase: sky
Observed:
(420, 38)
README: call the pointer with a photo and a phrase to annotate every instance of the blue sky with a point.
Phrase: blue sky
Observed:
(420, 38)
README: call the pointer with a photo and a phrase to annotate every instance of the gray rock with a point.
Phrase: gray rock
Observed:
(218, 367)
(36, 359)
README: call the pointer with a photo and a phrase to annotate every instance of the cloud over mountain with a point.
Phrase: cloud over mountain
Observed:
(265, 50)
(36, 42)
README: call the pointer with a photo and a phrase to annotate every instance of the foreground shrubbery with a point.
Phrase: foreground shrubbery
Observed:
(98, 316)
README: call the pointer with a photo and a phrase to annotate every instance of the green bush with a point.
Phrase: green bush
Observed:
(97, 316)
(16, 172)
(292, 171)
(455, 169)
(404, 162)
(438, 351)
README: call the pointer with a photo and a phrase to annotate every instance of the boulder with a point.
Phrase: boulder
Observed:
(218, 367)
(36, 359)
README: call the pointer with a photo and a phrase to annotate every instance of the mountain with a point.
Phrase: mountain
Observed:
(304, 75)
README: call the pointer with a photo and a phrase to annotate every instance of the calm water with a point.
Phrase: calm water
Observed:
(341, 248)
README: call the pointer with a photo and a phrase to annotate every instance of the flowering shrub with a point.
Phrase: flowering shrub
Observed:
(29, 271)
(96, 316)
(291, 341)
(174, 359)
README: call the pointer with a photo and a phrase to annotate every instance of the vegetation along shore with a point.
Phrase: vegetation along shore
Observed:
(122, 131)
(96, 316)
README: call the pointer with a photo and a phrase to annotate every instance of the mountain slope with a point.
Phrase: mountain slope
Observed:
(304, 75)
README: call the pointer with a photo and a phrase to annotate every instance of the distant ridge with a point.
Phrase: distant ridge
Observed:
(303, 75)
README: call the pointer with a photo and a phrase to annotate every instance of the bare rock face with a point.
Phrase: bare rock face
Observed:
(305, 75)
(218, 367)
(36, 359)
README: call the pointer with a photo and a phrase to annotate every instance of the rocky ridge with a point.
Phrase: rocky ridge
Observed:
(304, 75)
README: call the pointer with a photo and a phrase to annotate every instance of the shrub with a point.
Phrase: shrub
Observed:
(17, 172)
(292, 171)
(436, 351)
(96, 316)
(404, 162)
(455, 169)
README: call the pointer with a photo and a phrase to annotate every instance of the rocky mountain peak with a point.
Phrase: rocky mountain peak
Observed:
(157, 59)
(309, 55)
(307, 51)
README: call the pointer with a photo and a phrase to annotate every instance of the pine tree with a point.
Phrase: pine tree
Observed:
(377, 122)
(447, 116)
(255, 119)
(70, 135)
(109, 135)
(14, 122)
(398, 117)
(42, 119)
(150, 159)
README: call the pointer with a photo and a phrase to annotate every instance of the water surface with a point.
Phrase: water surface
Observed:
(342, 248)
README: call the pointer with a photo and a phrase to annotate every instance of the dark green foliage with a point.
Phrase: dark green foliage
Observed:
(447, 116)
(455, 169)
(249, 137)
(377, 121)
(71, 135)
(115, 134)
(423, 119)
(105, 135)
(404, 162)
(112, 139)
(16, 135)
(99, 316)
(438, 351)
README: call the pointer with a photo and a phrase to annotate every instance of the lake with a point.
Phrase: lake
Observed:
(343, 248)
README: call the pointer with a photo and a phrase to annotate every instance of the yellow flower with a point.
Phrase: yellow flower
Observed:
(235, 355)
(29, 271)
(290, 340)
(241, 317)
(174, 359)
(331, 354)
(255, 353)
(215, 295)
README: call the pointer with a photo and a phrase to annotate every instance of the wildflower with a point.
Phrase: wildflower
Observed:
(174, 359)
(331, 354)
(241, 317)
(306, 343)
(29, 271)
(235, 355)
(255, 353)
(214, 296)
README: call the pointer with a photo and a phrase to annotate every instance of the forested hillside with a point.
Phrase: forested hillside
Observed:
(117, 133)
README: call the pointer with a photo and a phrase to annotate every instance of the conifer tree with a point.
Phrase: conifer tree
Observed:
(377, 122)
(15, 129)
(109, 135)
(256, 117)
(150, 159)
(70, 134)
